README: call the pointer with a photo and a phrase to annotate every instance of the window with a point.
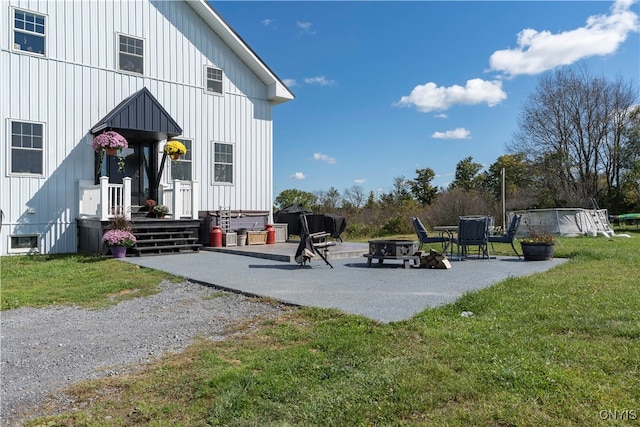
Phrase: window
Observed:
(29, 32)
(181, 168)
(130, 54)
(223, 163)
(213, 82)
(27, 152)
(24, 244)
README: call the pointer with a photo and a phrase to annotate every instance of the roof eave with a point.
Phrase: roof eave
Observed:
(277, 90)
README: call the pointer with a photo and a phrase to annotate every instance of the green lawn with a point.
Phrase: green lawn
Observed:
(561, 348)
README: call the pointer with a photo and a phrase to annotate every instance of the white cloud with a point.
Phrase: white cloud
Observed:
(441, 116)
(360, 181)
(319, 80)
(298, 176)
(541, 51)
(323, 157)
(458, 133)
(430, 97)
(289, 82)
(305, 27)
(266, 22)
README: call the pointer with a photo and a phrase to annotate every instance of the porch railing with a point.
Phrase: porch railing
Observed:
(104, 201)
(181, 197)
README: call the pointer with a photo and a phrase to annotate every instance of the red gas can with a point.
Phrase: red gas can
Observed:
(215, 237)
(271, 234)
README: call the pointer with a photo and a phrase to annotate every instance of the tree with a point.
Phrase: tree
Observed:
(293, 196)
(330, 200)
(354, 196)
(399, 193)
(572, 128)
(371, 200)
(467, 177)
(631, 177)
(518, 180)
(421, 187)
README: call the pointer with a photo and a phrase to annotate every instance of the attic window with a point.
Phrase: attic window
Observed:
(130, 54)
(213, 81)
(29, 32)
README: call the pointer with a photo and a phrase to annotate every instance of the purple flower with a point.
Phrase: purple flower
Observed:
(119, 237)
(109, 139)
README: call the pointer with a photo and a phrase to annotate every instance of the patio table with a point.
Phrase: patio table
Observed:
(449, 230)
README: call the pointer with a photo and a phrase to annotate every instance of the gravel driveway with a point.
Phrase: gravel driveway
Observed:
(44, 350)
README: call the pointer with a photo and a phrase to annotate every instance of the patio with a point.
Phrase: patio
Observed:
(386, 293)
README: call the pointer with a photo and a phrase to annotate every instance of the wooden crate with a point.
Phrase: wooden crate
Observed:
(229, 239)
(282, 233)
(256, 237)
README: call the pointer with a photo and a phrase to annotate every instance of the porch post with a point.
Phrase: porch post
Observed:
(126, 197)
(177, 200)
(195, 199)
(104, 198)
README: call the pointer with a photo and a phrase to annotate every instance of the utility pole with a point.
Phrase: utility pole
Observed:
(504, 205)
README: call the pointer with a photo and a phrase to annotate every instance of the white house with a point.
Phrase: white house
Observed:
(151, 70)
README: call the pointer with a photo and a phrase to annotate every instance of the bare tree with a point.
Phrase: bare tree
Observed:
(572, 129)
(354, 196)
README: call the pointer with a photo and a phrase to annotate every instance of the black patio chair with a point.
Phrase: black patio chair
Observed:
(473, 231)
(423, 236)
(510, 236)
(311, 244)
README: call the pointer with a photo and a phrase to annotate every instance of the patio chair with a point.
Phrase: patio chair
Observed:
(510, 236)
(472, 231)
(311, 244)
(423, 236)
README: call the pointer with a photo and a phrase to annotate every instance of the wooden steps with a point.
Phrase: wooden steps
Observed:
(165, 236)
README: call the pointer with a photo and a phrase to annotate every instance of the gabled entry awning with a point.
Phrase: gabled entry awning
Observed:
(141, 113)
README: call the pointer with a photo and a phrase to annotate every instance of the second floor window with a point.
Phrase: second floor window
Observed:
(29, 32)
(130, 54)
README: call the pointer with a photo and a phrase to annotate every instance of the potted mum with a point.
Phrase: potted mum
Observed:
(175, 149)
(539, 246)
(149, 204)
(161, 211)
(119, 240)
(111, 142)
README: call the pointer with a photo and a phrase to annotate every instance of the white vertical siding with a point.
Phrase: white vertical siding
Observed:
(76, 84)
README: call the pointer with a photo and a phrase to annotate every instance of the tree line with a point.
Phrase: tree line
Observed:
(577, 140)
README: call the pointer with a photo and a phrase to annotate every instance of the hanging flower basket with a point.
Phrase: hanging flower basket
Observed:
(175, 149)
(110, 141)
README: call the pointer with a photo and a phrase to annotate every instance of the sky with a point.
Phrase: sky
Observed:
(383, 88)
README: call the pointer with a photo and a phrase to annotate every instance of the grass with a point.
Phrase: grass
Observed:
(560, 348)
(38, 281)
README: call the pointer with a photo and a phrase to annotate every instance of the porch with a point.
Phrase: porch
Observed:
(178, 231)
